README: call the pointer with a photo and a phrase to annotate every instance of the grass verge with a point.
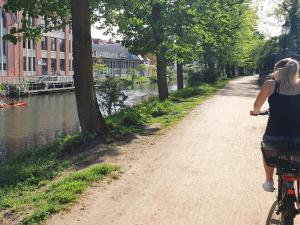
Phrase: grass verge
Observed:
(40, 182)
(133, 119)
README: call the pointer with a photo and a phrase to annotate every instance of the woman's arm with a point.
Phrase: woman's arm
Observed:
(266, 91)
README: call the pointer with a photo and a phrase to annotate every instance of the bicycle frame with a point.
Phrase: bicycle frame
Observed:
(287, 164)
(287, 198)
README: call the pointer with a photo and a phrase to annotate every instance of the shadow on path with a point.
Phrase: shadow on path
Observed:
(241, 88)
(95, 152)
(272, 218)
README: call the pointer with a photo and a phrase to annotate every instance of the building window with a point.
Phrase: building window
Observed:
(29, 44)
(4, 43)
(29, 68)
(25, 63)
(70, 65)
(44, 66)
(62, 64)
(33, 44)
(53, 65)
(32, 21)
(53, 44)
(43, 22)
(62, 45)
(44, 43)
(4, 20)
(33, 64)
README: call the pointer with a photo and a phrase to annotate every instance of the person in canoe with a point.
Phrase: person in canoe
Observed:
(11, 101)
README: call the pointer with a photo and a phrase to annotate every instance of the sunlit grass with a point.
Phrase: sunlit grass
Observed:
(28, 186)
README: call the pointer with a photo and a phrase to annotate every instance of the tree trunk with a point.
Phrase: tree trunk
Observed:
(157, 30)
(162, 83)
(228, 71)
(205, 61)
(232, 71)
(241, 71)
(221, 67)
(90, 118)
(179, 76)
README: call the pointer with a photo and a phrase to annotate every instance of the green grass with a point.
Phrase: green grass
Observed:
(133, 119)
(42, 181)
(28, 182)
(57, 196)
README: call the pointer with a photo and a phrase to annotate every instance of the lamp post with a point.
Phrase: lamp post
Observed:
(285, 31)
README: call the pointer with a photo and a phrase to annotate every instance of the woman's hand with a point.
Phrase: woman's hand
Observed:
(254, 113)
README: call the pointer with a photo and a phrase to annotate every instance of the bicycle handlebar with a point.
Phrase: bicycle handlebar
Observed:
(261, 113)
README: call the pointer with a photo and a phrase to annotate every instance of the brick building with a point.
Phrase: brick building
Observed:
(51, 55)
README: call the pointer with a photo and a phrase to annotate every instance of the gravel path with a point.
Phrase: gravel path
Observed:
(206, 171)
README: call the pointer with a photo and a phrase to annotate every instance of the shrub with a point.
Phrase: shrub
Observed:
(131, 116)
(2, 90)
(212, 75)
(125, 122)
(112, 96)
(171, 75)
(157, 108)
(195, 77)
(192, 91)
(10, 90)
(67, 143)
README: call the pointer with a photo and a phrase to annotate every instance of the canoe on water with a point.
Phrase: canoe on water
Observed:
(4, 105)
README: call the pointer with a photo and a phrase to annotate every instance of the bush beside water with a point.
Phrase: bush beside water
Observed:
(10, 90)
(133, 119)
(198, 75)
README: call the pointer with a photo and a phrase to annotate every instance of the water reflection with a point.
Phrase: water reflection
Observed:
(45, 118)
(48, 117)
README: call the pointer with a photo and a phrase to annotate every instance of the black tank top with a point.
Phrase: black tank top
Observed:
(284, 114)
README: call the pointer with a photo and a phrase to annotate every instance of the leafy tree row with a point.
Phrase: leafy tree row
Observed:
(220, 33)
(286, 44)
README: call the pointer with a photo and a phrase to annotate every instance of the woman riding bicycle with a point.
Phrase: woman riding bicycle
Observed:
(283, 94)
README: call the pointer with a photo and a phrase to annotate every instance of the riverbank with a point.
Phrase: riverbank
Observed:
(47, 180)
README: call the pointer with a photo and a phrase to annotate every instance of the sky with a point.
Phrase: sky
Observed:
(268, 25)
(96, 33)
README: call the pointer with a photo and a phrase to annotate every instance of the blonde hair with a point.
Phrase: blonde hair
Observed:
(288, 71)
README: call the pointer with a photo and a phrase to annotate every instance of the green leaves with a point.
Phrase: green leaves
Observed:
(55, 15)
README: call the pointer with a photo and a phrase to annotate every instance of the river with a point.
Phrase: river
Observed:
(48, 117)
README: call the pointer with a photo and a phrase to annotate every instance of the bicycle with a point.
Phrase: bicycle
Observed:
(286, 159)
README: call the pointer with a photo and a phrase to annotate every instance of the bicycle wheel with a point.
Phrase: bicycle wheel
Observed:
(288, 207)
(286, 219)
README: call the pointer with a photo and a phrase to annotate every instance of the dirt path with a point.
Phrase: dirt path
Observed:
(205, 171)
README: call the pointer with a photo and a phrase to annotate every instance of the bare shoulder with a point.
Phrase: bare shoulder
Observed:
(269, 83)
(269, 86)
